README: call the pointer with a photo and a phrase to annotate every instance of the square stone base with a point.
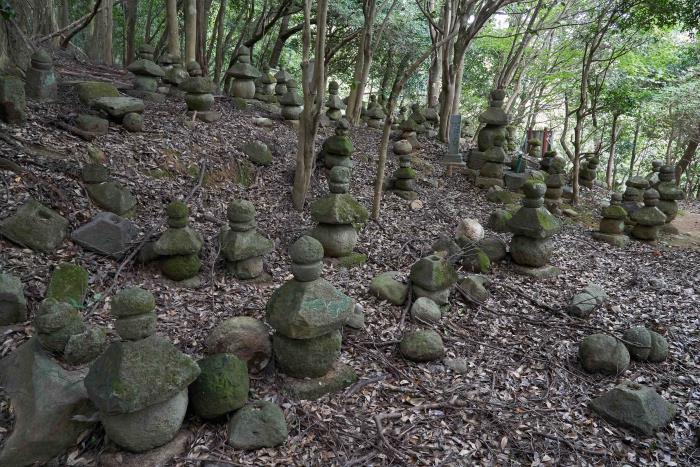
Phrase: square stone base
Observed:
(619, 241)
(543, 272)
(338, 378)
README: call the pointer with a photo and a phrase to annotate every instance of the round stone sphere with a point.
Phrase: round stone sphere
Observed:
(531, 252)
(132, 301)
(306, 250)
(534, 190)
(240, 211)
(243, 88)
(133, 122)
(199, 102)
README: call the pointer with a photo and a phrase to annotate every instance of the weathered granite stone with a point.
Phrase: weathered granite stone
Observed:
(649, 218)
(494, 248)
(244, 74)
(13, 103)
(600, 353)
(646, 345)
(387, 287)
(92, 124)
(634, 406)
(221, 387)
(117, 107)
(86, 346)
(35, 226)
(424, 309)
(133, 122)
(498, 220)
(433, 273)
(291, 102)
(586, 302)
(422, 345)
(336, 379)
(69, 283)
(55, 323)
(89, 91)
(134, 309)
(179, 245)
(475, 286)
(242, 336)
(260, 424)
(49, 403)
(258, 153)
(13, 304)
(106, 234)
(41, 81)
(301, 358)
(242, 246)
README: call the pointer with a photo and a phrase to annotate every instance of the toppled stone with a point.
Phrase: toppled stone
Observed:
(634, 406)
(13, 103)
(586, 302)
(245, 337)
(494, 248)
(422, 345)
(356, 319)
(470, 228)
(458, 365)
(424, 309)
(475, 286)
(386, 287)
(600, 353)
(92, 124)
(13, 304)
(117, 107)
(86, 346)
(107, 234)
(36, 227)
(339, 376)
(260, 424)
(498, 220)
(258, 153)
(48, 402)
(89, 91)
(433, 277)
(646, 345)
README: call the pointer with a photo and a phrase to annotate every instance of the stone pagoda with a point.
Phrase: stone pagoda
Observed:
(653, 176)
(337, 214)
(588, 172)
(307, 314)
(670, 193)
(179, 247)
(648, 219)
(41, 81)
(533, 226)
(199, 97)
(492, 134)
(334, 103)
(433, 277)
(632, 198)
(244, 75)
(418, 118)
(292, 103)
(612, 225)
(403, 182)
(242, 246)
(265, 86)
(282, 77)
(375, 113)
(148, 74)
(555, 181)
(139, 384)
(337, 149)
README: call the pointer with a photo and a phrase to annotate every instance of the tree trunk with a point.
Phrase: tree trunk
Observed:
(99, 47)
(609, 181)
(691, 149)
(131, 13)
(64, 14)
(190, 30)
(279, 43)
(313, 87)
(203, 7)
(219, 57)
(173, 31)
(634, 145)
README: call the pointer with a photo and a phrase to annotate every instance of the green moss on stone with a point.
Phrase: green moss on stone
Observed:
(69, 283)
(352, 260)
(180, 267)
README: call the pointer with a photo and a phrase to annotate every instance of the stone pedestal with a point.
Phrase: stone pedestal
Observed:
(41, 81)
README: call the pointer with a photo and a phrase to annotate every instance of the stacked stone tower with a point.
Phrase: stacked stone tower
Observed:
(337, 214)
(669, 193)
(492, 135)
(265, 86)
(244, 75)
(533, 226)
(334, 103)
(148, 74)
(307, 314)
(179, 246)
(199, 97)
(242, 246)
(106, 193)
(433, 277)
(612, 225)
(653, 176)
(292, 103)
(403, 182)
(555, 183)
(41, 81)
(632, 198)
(588, 172)
(648, 219)
(282, 76)
(139, 385)
(337, 149)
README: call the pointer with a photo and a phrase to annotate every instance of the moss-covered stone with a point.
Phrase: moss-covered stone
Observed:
(69, 283)
(221, 387)
(89, 91)
(180, 267)
(386, 287)
(306, 358)
(55, 323)
(132, 301)
(338, 209)
(600, 353)
(422, 345)
(352, 260)
(433, 273)
(260, 424)
(338, 145)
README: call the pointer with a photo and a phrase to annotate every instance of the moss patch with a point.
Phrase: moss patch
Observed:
(352, 260)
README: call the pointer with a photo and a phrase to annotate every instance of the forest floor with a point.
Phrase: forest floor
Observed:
(524, 399)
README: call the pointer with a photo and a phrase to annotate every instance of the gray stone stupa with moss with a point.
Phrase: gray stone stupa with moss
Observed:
(148, 75)
(632, 199)
(612, 225)
(648, 219)
(338, 215)
(533, 226)
(41, 80)
(433, 277)
(334, 103)
(337, 149)
(307, 314)
(291, 102)
(244, 75)
(403, 181)
(485, 164)
(555, 181)
(139, 385)
(669, 194)
(105, 192)
(179, 247)
(242, 246)
(199, 97)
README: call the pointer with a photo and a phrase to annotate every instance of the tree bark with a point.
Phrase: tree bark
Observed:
(691, 149)
(219, 56)
(131, 13)
(203, 7)
(635, 140)
(173, 31)
(279, 43)
(190, 30)
(609, 180)
(99, 47)
(313, 87)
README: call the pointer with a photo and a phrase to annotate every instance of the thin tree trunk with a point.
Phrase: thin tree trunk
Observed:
(64, 14)
(279, 43)
(173, 31)
(609, 181)
(313, 87)
(219, 57)
(691, 149)
(634, 145)
(190, 30)
(131, 13)
(100, 45)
